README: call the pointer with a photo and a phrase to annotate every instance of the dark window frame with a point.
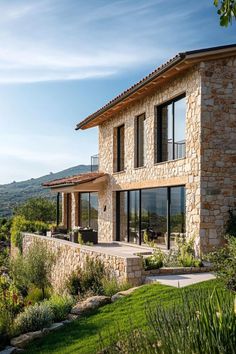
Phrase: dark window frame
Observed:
(139, 160)
(119, 167)
(159, 128)
(140, 212)
(89, 208)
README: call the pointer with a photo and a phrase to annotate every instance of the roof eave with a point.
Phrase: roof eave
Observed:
(191, 57)
(175, 61)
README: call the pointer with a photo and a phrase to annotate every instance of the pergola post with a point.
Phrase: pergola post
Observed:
(58, 208)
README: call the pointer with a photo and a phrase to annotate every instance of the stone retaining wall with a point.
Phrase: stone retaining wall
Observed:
(71, 255)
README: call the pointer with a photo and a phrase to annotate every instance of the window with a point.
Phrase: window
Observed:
(88, 210)
(156, 213)
(139, 141)
(171, 130)
(120, 151)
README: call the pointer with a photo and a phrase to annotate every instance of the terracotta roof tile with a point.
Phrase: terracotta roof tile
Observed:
(82, 178)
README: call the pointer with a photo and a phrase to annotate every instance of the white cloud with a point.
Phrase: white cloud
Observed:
(52, 40)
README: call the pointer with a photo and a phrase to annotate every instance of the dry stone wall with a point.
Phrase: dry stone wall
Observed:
(70, 255)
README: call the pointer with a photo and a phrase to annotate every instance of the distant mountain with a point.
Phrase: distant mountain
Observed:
(17, 192)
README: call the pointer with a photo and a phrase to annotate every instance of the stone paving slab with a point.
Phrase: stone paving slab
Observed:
(179, 280)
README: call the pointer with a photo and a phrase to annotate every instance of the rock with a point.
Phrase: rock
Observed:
(8, 350)
(71, 317)
(21, 341)
(35, 335)
(55, 326)
(24, 339)
(124, 293)
(90, 304)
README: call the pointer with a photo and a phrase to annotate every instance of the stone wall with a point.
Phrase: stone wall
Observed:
(184, 171)
(209, 169)
(218, 149)
(70, 255)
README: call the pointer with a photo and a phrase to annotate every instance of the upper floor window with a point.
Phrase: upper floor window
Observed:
(120, 148)
(139, 140)
(171, 118)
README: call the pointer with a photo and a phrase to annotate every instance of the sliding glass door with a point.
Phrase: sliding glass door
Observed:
(134, 217)
(154, 215)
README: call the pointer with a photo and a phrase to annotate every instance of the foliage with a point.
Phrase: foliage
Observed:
(94, 280)
(20, 224)
(226, 11)
(155, 261)
(210, 322)
(40, 209)
(60, 306)
(5, 226)
(11, 303)
(4, 257)
(231, 224)
(73, 285)
(110, 286)
(224, 262)
(88, 279)
(185, 253)
(34, 268)
(33, 318)
(82, 336)
(35, 295)
(183, 256)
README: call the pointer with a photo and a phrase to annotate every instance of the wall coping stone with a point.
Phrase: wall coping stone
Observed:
(97, 249)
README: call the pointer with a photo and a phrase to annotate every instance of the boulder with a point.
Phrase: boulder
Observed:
(124, 293)
(24, 339)
(89, 304)
(55, 326)
(71, 317)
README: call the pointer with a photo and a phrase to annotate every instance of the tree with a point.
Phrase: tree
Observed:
(226, 11)
(37, 209)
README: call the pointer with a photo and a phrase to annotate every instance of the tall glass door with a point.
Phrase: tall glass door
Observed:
(134, 217)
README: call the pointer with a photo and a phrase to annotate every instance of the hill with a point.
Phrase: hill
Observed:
(17, 192)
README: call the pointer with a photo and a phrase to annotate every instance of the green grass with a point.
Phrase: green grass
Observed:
(82, 336)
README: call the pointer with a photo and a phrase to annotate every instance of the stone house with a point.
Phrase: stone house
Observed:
(167, 156)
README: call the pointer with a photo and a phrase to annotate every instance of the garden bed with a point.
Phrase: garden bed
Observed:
(177, 270)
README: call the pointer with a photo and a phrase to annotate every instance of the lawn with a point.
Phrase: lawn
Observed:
(82, 336)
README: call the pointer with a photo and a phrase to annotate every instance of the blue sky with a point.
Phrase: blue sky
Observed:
(60, 60)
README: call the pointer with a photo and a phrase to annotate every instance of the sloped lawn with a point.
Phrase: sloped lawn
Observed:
(82, 336)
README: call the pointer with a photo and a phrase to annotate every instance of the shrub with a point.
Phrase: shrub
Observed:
(88, 279)
(73, 285)
(224, 262)
(20, 224)
(60, 306)
(111, 286)
(198, 324)
(35, 295)
(10, 303)
(155, 261)
(183, 256)
(91, 276)
(33, 318)
(34, 268)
